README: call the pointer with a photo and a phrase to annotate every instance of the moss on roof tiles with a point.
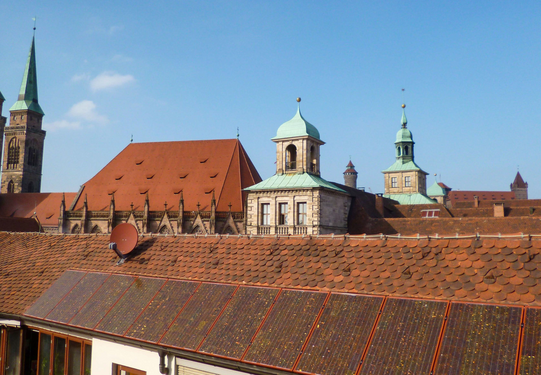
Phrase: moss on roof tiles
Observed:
(294, 181)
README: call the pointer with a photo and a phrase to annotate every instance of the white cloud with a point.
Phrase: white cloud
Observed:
(108, 80)
(80, 77)
(62, 124)
(86, 111)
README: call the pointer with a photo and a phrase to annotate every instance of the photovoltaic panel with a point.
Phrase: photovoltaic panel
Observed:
(530, 358)
(130, 305)
(286, 329)
(237, 325)
(161, 311)
(479, 339)
(76, 298)
(100, 303)
(193, 323)
(406, 337)
(341, 335)
(52, 296)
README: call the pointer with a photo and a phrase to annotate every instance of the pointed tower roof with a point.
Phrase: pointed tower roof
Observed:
(28, 95)
(350, 168)
(2, 96)
(297, 127)
(404, 135)
(519, 182)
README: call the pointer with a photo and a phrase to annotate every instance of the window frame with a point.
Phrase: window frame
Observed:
(117, 370)
(407, 181)
(302, 214)
(394, 182)
(283, 214)
(265, 214)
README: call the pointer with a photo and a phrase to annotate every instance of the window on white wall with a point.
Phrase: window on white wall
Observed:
(301, 213)
(394, 182)
(407, 181)
(265, 214)
(282, 216)
(124, 370)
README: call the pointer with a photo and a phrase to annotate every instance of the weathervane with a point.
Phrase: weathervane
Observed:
(34, 19)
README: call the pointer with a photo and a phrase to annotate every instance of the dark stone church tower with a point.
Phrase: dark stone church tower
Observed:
(24, 138)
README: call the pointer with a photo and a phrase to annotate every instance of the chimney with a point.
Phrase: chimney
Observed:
(499, 210)
(475, 201)
(379, 205)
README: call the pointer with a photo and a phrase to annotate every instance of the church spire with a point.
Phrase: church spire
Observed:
(404, 119)
(28, 95)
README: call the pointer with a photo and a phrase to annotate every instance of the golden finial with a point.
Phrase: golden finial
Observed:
(298, 100)
(403, 106)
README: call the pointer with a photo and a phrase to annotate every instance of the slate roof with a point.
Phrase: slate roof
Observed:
(46, 206)
(519, 182)
(165, 170)
(389, 301)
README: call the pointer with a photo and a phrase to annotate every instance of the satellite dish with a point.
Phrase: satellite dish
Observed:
(123, 239)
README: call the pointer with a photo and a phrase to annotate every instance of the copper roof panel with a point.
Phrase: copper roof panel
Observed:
(341, 335)
(287, 326)
(131, 304)
(162, 310)
(239, 322)
(54, 294)
(194, 322)
(405, 339)
(530, 358)
(480, 339)
(76, 298)
(100, 303)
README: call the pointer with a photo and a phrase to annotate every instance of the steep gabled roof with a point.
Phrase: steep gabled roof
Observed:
(169, 170)
(46, 206)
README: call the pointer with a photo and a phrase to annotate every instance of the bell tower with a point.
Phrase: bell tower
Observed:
(297, 146)
(24, 138)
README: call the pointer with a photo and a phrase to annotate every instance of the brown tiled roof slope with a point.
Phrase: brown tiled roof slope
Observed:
(19, 224)
(464, 195)
(519, 182)
(486, 270)
(45, 205)
(167, 170)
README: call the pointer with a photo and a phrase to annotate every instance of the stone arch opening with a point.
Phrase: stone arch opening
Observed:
(291, 158)
(13, 153)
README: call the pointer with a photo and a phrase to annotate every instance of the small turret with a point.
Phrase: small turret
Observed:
(350, 176)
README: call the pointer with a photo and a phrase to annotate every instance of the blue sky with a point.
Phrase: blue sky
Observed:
(183, 70)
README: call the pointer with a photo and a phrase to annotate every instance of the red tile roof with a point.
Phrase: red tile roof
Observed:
(165, 170)
(46, 206)
(463, 195)
(420, 294)
(519, 182)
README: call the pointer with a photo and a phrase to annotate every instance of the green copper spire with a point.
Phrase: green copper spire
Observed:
(28, 95)
(404, 119)
(297, 127)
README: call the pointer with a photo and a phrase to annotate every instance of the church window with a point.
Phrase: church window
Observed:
(291, 157)
(76, 229)
(33, 153)
(95, 229)
(406, 150)
(265, 214)
(301, 213)
(13, 153)
(394, 182)
(164, 230)
(398, 151)
(282, 216)
(407, 181)
(11, 187)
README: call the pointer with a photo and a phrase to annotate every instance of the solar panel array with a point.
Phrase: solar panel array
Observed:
(306, 332)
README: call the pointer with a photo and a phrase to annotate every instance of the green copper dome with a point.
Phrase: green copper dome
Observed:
(297, 127)
(404, 135)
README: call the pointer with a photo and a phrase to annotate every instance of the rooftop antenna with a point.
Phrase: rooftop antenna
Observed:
(131, 139)
(237, 132)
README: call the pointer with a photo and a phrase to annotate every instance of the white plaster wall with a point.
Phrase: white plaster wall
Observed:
(207, 368)
(105, 353)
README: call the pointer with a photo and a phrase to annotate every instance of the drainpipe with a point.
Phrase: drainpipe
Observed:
(163, 369)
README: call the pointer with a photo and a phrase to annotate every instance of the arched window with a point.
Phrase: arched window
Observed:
(313, 160)
(33, 153)
(76, 229)
(406, 150)
(31, 187)
(291, 158)
(164, 230)
(95, 229)
(13, 153)
(398, 151)
(11, 187)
